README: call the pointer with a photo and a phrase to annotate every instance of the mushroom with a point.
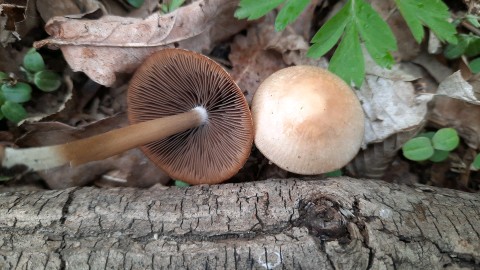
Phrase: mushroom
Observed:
(307, 120)
(186, 113)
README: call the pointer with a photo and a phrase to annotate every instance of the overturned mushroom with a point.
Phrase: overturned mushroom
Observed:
(307, 120)
(187, 114)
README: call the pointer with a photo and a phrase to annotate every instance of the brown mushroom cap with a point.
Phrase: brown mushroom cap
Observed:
(174, 81)
(307, 120)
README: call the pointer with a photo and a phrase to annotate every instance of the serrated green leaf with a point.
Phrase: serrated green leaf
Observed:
(329, 34)
(13, 111)
(47, 80)
(432, 13)
(347, 61)
(20, 92)
(475, 65)
(439, 155)
(33, 61)
(476, 162)
(289, 13)
(418, 149)
(446, 139)
(135, 3)
(254, 9)
(375, 32)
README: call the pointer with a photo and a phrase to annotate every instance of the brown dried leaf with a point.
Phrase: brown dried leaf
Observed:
(139, 171)
(17, 18)
(464, 117)
(65, 7)
(113, 44)
(263, 51)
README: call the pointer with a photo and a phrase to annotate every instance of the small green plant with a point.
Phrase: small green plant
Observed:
(476, 162)
(171, 5)
(179, 183)
(135, 3)
(468, 45)
(355, 23)
(433, 146)
(14, 93)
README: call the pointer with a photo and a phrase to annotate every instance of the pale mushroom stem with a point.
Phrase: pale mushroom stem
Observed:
(104, 145)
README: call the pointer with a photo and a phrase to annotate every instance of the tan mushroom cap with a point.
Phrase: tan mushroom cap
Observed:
(307, 120)
(174, 81)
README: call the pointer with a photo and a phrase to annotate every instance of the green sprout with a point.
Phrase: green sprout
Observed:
(171, 5)
(357, 23)
(179, 183)
(476, 162)
(14, 93)
(135, 3)
(433, 146)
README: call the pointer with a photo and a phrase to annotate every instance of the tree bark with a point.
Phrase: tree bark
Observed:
(340, 223)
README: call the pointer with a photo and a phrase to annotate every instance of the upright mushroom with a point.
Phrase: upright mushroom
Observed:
(187, 115)
(307, 120)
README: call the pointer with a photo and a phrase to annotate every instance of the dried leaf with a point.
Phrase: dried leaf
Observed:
(464, 117)
(66, 7)
(455, 86)
(251, 60)
(113, 44)
(134, 164)
(259, 54)
(390, 107)
(17, 18)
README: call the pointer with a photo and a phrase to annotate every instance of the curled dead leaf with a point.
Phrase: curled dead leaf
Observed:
(113, 44)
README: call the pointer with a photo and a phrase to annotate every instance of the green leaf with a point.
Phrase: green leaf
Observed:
(33, 61)
(475, 65)
(179, 183)
(432, 13)
(476, 162)
(135, 3)
(375, 32)
(13, 111)
(428, 134)
(418, 149)
(172, 5)
(3, 77)
(347, 61)
(47, 80)
(20, 92)
(335, 173)
(472, 19)
(289, 13)
(453, 51)
(445, 139)
(468, 45)
(439, 155)
(329, 34)
(254, 9)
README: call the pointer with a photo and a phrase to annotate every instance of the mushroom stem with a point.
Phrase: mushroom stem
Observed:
(104, 145)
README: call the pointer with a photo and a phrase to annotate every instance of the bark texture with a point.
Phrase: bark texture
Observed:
(341, 223)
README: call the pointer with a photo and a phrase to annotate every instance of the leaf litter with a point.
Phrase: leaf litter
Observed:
(418, 92)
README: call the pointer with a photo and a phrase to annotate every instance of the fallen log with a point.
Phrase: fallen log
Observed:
(340, 223)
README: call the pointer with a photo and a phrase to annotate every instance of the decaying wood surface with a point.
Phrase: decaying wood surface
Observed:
(277, 224)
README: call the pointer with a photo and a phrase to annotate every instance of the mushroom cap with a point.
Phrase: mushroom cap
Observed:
(307, 120)
(174, 81)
